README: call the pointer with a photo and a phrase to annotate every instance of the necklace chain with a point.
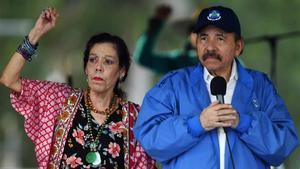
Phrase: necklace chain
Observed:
(95, 141)
(89, 107)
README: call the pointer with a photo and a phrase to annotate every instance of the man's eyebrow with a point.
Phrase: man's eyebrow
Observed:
(202, 34)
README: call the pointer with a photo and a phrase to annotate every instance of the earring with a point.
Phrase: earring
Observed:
(121, 78)
(118, 84)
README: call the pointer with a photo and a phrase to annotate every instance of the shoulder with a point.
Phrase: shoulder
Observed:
(130, 109)
(43, 89)
(133, 105)
(130, 106)
(170, 85)
(262, 82)
(258, 76)
(249, 75)
(42, 84)
(175, 77)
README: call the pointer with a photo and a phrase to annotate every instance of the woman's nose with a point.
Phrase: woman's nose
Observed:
(99, 66)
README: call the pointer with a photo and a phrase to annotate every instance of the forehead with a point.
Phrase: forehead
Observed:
(105, 48)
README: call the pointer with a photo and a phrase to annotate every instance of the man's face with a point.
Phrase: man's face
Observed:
(216, 50)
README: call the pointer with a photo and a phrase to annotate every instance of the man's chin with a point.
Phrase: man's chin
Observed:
(212, 64)
(211, 68)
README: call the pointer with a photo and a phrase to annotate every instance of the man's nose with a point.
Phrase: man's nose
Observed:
(211, 45)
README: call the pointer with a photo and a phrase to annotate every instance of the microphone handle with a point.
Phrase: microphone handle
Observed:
(220, 98)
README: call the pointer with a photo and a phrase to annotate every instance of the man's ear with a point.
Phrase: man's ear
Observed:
(239, 47)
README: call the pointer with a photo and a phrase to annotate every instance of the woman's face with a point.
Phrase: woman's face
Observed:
(102, 68)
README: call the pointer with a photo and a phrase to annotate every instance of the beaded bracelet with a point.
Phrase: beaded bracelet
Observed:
(26, 49)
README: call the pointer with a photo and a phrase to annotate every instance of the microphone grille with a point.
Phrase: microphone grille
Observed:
(218, 86)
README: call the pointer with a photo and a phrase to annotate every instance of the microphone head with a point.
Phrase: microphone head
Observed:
(218, 86)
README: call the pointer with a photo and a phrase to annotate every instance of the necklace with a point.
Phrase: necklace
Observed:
(93, 157)
(89, 104)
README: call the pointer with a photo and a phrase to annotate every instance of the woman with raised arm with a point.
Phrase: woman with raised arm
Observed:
(78, 128)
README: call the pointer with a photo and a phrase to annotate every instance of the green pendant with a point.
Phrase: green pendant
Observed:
(93, 158)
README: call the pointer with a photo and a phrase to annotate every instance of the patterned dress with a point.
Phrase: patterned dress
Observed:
(79, 139)
(52, 112)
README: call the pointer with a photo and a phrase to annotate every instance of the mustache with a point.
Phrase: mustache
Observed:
(213, 55)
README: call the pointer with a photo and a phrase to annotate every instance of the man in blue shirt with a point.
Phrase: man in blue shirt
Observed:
(182, 125)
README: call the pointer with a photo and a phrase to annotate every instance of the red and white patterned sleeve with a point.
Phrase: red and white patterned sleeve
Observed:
(39, 102)
(139, 158)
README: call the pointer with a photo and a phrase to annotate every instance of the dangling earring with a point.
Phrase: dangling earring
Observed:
(87, 79)
(121, 77)
(119, 82)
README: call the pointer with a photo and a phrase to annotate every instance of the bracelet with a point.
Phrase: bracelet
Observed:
(26, 49)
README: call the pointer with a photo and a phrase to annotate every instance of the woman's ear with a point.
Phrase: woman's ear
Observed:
(85, 72)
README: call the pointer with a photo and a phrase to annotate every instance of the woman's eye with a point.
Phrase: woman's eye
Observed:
(108, 62)
(92, 59)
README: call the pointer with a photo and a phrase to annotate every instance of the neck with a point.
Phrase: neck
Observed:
(101, 101)
(225, 73)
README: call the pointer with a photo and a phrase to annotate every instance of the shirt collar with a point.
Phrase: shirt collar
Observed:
(233, 76)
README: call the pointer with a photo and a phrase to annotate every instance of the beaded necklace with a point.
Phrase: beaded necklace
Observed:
(89, 104)
(93, 157)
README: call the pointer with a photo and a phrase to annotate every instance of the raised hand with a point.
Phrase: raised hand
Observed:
(163, 12)
(45, 22)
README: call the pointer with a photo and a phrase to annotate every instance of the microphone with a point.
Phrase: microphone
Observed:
(218, 88)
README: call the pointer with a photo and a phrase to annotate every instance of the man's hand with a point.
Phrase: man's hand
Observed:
(163, 12)
(219, 115)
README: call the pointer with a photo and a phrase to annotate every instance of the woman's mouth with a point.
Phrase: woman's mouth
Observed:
(97, 79)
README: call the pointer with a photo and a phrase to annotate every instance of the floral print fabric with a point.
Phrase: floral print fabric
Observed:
(79, 139)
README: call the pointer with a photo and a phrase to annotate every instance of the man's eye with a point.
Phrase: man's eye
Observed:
(203, 38)
(221, 39)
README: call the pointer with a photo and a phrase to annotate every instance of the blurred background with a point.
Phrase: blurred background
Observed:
(270, 28)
